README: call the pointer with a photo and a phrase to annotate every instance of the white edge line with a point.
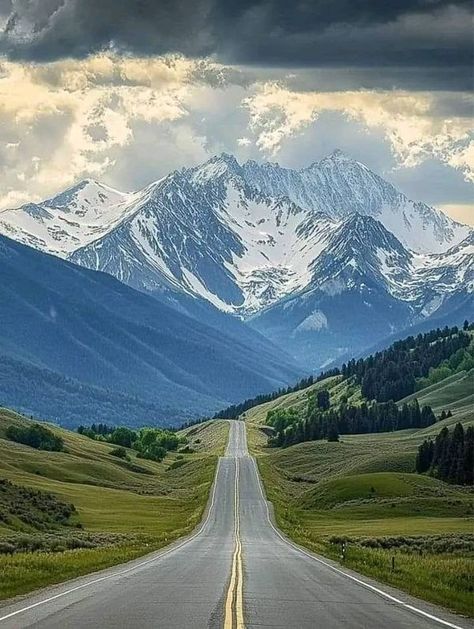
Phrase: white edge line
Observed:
(349, 576)
(121, 572)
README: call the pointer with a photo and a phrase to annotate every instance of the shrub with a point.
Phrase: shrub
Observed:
(121, 453)
(153, 452)
(35, 436)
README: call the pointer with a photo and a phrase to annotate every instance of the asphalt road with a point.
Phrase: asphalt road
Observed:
(237, 571)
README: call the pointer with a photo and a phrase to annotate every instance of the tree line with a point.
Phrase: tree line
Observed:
(149, 443)
(319, 421)
(392, 374)
(450, 457)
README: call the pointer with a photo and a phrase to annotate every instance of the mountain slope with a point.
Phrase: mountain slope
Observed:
(340, 186)
(88, 327)
(366, 286)
(204, 231)
(68, 220)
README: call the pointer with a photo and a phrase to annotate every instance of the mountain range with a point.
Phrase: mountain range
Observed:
(78, 345)
(324, 261)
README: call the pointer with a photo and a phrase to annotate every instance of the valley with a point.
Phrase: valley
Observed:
(236, 314)
(235, 570)
(290, 252)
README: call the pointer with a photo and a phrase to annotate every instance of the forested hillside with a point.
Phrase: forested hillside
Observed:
(365, 396)
(392, 374)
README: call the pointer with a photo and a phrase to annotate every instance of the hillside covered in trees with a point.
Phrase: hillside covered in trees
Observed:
(392, 374)
(374, 387)
(395, 372)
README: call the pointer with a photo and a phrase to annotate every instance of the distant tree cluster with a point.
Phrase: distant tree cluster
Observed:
(392, 374)
(149, 443)
(35, 436)
(450, 457)
(319, 423)
(95, 430)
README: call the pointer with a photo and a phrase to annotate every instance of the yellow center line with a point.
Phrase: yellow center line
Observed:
(234, 614)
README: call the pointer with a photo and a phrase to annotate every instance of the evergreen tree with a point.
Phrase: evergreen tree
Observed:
(324, 400)
(333, 433)
(427, 417)
(424, 456)
(468, 458)
(456, 456)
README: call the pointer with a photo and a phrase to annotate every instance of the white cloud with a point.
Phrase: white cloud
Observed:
(129, 120)
(74, 117)
(409, 120)
(244, 141)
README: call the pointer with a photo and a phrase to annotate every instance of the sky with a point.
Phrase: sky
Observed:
(125, 91)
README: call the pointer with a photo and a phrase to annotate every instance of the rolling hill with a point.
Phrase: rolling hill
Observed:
(90, 509)
(363, 491)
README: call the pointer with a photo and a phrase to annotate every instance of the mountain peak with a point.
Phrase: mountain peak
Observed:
(215, 167)
(362, 233)
(338, 154)
(87, 190)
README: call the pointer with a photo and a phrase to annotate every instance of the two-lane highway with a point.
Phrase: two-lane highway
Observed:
(236, 571)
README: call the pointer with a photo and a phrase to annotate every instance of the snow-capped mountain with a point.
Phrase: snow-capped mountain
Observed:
(284, 248)
(205, 231)
(339, 186)
(67, 221)
(366, 286)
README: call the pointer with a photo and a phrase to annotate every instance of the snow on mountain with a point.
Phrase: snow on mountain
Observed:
(205, 231)
(68, 220)
(247, 238)
(366, 286)
(339, 186)
(440, 276)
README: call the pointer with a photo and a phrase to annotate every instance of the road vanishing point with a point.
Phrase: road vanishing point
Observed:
(237, 570)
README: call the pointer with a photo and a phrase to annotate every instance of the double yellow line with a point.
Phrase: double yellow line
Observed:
(234, 609)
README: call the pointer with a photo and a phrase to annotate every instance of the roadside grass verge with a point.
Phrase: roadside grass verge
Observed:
(364, 489)
(129, 509)
(24, 572)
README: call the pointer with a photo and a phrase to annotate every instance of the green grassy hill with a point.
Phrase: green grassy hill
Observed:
(122, 509)
(363, 489)
(298, 399)
(455, 393)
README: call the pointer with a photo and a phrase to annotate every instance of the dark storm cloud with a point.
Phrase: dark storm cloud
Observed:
(412, 34)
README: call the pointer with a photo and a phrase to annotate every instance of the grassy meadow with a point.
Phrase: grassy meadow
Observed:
(122, 509)
(363, 490)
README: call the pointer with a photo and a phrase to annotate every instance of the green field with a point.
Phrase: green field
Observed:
(363, 489)
(123, 508)
(298, 399)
